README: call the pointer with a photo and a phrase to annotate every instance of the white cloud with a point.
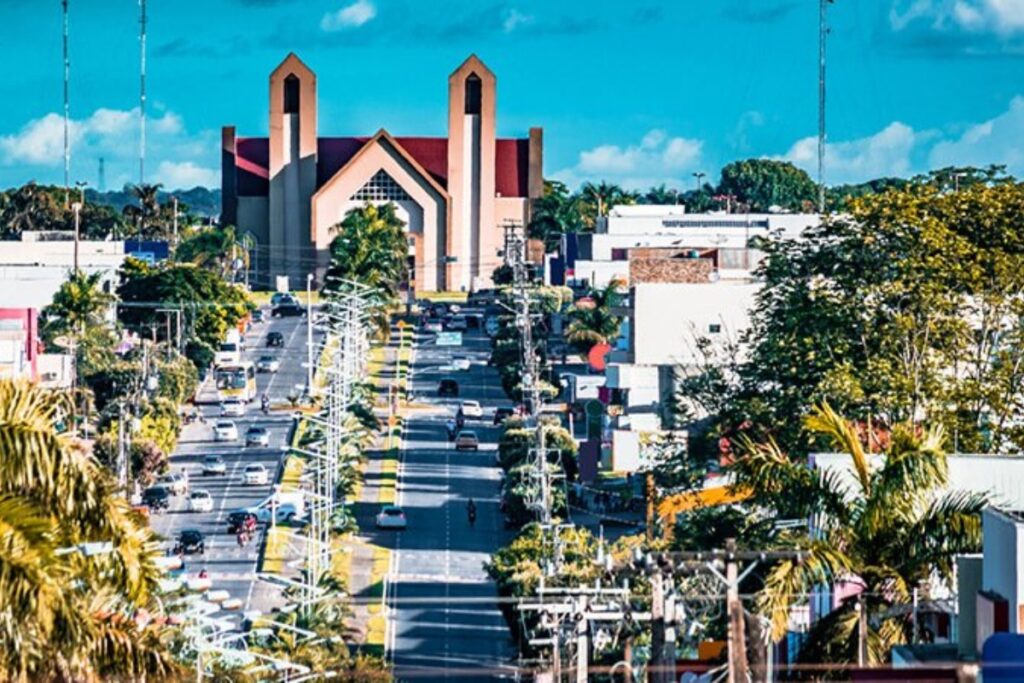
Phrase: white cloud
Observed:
(656, 159)
(1003, 17)
(999, 140)
(37, 148)
(351, 16)
(185, 175)
(514, 19)
(886, 153)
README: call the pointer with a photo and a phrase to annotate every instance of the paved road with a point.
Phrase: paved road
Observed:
(233, 568)
(438, 560)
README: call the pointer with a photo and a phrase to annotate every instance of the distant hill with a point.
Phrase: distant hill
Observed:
(199, 200)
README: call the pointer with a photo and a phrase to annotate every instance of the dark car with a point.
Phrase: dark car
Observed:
(439, 310)
(156, 498)
(473, 321)
(257, 316)
(448, 387)
(288, 309)
(237, 519)
(502, 414)
(275, 339)
(191, 541)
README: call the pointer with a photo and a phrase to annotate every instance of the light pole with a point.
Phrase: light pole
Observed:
(174, 218)
(309, 334)
(77, 208)
(699, 175)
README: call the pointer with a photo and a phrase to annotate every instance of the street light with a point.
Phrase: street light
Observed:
(699, 175)
(77, 208)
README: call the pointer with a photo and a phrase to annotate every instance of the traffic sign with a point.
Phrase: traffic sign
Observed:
(449, 339)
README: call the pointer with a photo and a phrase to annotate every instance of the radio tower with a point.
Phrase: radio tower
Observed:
(822, 39)
(67, 111)
(142, 91)
(101, 184)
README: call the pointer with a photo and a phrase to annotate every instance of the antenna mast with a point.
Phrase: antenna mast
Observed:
(142, 91)
(67, 111)
(822, 38)
(101, 185)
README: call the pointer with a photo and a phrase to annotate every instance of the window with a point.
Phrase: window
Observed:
(620, 254)
(714, 328)
(381, 188)
(291, 95)
(474, 94)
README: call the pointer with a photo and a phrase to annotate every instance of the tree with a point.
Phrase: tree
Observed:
(69, 616)
(889, 529)
(80, 303)
(596, 200)
(152, 220)
(555, 213)
(592, 321)
(212, 248)
(760, 184)
(661, 195)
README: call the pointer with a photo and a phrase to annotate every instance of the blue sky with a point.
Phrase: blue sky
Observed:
(636, 92)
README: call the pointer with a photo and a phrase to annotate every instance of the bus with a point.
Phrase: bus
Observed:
(236, 380)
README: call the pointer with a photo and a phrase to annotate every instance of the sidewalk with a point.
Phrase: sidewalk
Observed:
(365, 564)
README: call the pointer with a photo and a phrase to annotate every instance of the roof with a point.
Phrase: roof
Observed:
(252, 161)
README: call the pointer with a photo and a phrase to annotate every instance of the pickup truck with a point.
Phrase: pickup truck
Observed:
(291, 505)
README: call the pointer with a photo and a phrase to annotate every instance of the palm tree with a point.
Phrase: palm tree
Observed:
(597, 200)
(554, 214)
(592, 321)
(661, 195)
(68, 616)
(889, 529)
(79, 304)
(146, 215)
(213, 249)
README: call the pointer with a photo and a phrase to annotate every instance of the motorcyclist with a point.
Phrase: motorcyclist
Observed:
(450, 427)
(250, 524)
(471, 511)
(460, 419)
(243, 538)
(265, 403)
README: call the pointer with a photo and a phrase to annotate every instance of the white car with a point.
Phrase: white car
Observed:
(460, 363)
(472, 409)
(255, 475)
(176, 483)
(391, 517)
(214, 464)
(268, 364)
(225, 430)
(232, 408)
(200, 501)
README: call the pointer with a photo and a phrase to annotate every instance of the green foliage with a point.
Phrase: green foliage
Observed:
(147, 460)
(557, 212)
(761, 184)
(33, 207)
(79, 304)
(212, 248)
(591, 321)
(178, 379)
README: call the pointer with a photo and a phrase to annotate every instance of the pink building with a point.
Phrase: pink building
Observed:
(454, 193)
(19, 343)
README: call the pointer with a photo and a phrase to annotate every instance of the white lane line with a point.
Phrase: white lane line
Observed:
(447, 554)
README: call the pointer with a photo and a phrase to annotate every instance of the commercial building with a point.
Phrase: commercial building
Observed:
(19, 343)
(288, 190)
(32, 269)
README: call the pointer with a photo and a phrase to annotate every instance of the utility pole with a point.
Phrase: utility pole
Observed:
(101, 182)
(142, 91)
(734, 609)
(67, 111)
(122, 457)
(582, 646)
(174, 204)
(309, 334)
(862, 631)
(822, 39)
(77, 208)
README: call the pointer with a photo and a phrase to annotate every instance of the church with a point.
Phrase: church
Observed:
(455, 193)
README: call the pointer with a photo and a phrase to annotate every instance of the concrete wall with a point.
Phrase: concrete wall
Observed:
(1003, 547)
(720, 229)
(667, 319)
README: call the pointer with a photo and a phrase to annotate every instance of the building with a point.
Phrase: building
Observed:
(32, 269)
(454, 193)
(19, 343)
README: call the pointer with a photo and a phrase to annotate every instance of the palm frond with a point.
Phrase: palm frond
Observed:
(824, 420)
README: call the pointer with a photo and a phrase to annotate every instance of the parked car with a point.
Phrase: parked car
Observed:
(502, 414)
(176, 483)
(275, 339)
(225, 430)
(237, 520)
(156, 498)
(391, 517)
(268, 364)
(191, 541)
(457, 323)
(448, 387)
(467, 441)
(255, 475)
(232, 407)
(214, 464)
(472, 409)
(257, 436)
(290, 309)
(200, 501)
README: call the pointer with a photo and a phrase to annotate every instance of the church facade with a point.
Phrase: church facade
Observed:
(455, 193)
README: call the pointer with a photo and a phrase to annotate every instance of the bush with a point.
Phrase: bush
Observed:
(147, 460)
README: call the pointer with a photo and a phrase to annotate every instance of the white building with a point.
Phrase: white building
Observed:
(31, 270)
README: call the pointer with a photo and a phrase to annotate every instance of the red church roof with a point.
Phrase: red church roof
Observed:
(511, 162)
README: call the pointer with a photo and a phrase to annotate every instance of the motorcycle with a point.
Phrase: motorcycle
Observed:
(472, 516)
(243, 539)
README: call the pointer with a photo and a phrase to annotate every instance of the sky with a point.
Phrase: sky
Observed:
(637, 92)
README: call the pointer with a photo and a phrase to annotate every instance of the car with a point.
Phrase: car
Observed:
(473, 322)
(439, 310)
(257, 436)
(255, 475)
(467, 441)
(275, 339)
(290, 309)
(448, 387)
(156, 498)
(457, 323)
(191, 541)
(279, 298)
(232, 407)
(391, 517)
(257, 316)
(200, 501)
(454, 308)
(461, 363)
(214, 464)
(176, 483)
(268, 364)
(502, 414)
(225, 430)
(472, 409)
(237, 520)
(433, 326)
(492, 326)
